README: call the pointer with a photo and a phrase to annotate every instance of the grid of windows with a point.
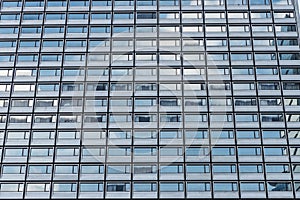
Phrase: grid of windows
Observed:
(149, 98)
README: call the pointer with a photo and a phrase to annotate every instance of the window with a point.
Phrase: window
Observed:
(290, 56)
(241, 57)
(118, 187)
(291, 86)
(9, 30)
(100, 16)
(170, 118)
(42, 135)
(279, 186)
(275, 151)
(27, 58)
(77, 16)
(266, 71)
(245, 102)
(250, 168)
(66, 169)
(224, 169)
(171, 151)
(145, 169)
(246, 118)
(96, 118)
(11, 187)
(122, 151)
(146, 2)
(275, 134)
(223, 151)
(92, 152)
(56, 3)
(118, 169)
(141, 151)
(220, 117)
(92, 169)
(197, 186)
(171, 187)
(48, 87)
(290, 71)
(166, 169)
(213, 2)
(196, 134)
(168, 134)
(124, 3)
(225, 186)
(249, 151)
(29, 43)
(8, 4)
(196, 151)
(282, 168)
(145, 135)
(168, 2)
(64, 187)
(34, 3)
(91, 187)
(252, 186)
(282, 2)
(272, 118)
(76, 3)
(236, 28)
(52, 43)
(191, 2)
(247, 134)
(7, 58)
(193, 168)
(285, 28)
(30, 30)
(287, 42)
(222, 134)
(144, 187)
(41, 152)
(19, 119)
(52, 30)
(27, 16)
(7, 44)
(292, 102)
(18, 152)
(259, 2)
(270, 102)
(76, 29)
(119, 135)
(13, 169)
(239, 43)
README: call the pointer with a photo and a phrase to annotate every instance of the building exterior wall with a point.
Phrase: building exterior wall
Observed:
(149, 99)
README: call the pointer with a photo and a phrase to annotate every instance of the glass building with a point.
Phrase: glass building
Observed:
(149, 99)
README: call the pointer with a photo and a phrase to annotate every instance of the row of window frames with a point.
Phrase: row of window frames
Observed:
(162, 134)
(139, 102)
(77, 3)
(7, 4)
(74, 3)
(236, 86)
(150, 29)
(151, 43)
(269, 70)
(144, 118)
(149, 169)
(151, 151)
(147, 15)
(150, 186)
(152, 57)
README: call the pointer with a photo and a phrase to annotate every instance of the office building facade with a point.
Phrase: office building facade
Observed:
(149, 99)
